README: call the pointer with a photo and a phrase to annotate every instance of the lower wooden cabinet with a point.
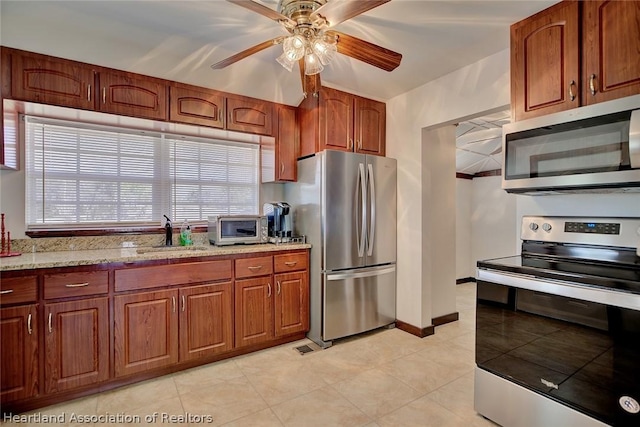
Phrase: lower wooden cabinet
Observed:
(145, 331)
(206, 320)
(18, 352)
(70, 332)
(76, 344)
(291, 303)
(254, 311)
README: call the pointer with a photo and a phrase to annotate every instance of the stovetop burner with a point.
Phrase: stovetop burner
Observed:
(599, 252)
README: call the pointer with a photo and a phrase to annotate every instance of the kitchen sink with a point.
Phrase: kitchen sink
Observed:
(170, 249)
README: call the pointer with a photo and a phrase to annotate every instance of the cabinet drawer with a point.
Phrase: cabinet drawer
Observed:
(66, 285)
(290, 262)
(175, 274)
(18, 290)
(251, 267)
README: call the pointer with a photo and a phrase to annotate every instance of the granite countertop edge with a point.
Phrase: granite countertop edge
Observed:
(36, 260)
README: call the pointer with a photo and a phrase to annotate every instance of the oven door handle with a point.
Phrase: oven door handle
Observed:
(560, 287)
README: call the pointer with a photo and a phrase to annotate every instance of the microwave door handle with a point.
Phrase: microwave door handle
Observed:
(634, 139)
(372, 203)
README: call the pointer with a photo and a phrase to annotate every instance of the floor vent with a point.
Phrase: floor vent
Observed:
(304, 349)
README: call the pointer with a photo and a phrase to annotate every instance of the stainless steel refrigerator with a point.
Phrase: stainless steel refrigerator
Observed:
(345, 203)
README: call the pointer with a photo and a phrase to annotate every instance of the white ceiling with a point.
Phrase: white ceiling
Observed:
(179, 40)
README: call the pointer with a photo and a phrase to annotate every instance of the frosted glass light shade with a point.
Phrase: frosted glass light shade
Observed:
(312, 64)
(285, 61)
(324, 50)
(294, 47)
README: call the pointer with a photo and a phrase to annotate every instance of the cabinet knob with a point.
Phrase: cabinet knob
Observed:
(592, 84)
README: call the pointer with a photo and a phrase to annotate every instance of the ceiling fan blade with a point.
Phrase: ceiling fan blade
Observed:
(241, 55)
(337, 11)
(310, 84)
(264, 11)
(364, 51)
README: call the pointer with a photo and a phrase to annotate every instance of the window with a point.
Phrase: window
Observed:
(82, 175)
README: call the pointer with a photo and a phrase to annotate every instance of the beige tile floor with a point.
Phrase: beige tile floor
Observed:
(384, 378)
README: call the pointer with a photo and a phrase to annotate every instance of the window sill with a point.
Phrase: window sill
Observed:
(79, 232)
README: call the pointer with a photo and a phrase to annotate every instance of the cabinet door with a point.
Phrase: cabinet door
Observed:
(370, 126)
(145, 331)
(611, 50)
(76, 344)
(18, 352)
(39, 79)
(198, 107)
(206, 320)
(545, 62)
(336, 120)
(286, 144)
(133, 95)
(254, 311)
(250, 115)
(291, 303)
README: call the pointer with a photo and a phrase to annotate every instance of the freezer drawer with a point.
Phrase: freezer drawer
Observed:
(358, 300)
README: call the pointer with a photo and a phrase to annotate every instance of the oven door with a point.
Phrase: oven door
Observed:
(573, 345)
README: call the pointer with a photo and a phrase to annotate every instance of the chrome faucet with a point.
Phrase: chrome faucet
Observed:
(168, 229)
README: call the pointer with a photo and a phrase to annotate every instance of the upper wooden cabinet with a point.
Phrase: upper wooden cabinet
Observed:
(249, 115)
(545, 67)
(46, 80)
(342, 121)
(133, 95)
(546, 73)
(611, 50)
(280, 154)
(198, 106)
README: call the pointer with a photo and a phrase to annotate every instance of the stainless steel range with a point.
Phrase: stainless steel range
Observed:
(558, 327)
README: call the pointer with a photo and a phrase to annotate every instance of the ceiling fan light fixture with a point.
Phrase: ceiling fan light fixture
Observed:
(294, 47)
(312, 64)
(286, 61)
(325, 48)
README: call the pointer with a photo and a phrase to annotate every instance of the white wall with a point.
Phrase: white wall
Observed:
(494, 222)
(464, 261)
(478, 88)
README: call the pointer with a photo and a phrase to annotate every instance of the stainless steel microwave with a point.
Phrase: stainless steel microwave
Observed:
(592, 148)
(237, 229)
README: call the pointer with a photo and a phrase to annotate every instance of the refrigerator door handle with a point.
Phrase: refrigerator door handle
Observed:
(361, 230)
(372, 203)
(360, 274)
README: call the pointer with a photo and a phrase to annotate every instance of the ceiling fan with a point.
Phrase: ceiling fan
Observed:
(312, 42)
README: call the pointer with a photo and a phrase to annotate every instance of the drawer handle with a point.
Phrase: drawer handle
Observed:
(50, 325)
(7, 291)
(77, 285)
(29, 324)
(254, 267)
(290, 263)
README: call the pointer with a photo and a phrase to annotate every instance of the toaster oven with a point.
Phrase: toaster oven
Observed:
(237, 229)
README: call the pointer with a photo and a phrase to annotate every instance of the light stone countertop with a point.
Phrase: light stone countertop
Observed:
(28, 261)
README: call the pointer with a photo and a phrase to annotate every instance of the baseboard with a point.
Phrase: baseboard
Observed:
(415, 330)
(465, 280)
(447, 318)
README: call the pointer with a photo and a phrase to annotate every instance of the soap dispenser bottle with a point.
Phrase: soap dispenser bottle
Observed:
(185, 234)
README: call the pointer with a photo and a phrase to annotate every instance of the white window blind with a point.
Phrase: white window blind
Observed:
(86, 176)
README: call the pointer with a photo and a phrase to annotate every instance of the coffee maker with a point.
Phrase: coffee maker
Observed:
(279, 221)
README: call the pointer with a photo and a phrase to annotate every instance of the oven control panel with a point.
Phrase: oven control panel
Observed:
(619, 232)
(592, 227)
